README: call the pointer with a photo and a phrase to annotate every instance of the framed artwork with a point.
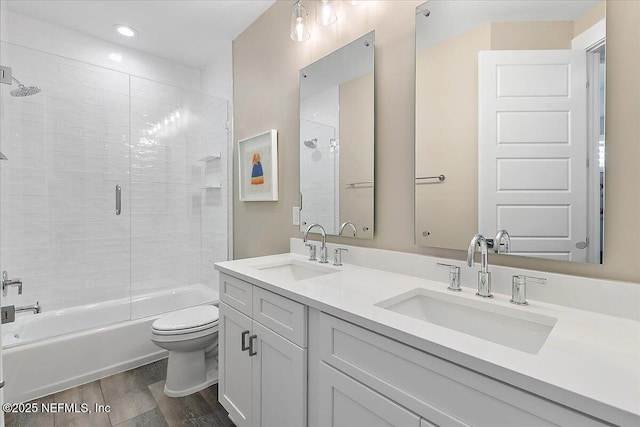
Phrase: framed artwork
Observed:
(258, 167)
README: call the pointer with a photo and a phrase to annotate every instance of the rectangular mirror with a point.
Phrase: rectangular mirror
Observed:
(337, 139)
(510, 126)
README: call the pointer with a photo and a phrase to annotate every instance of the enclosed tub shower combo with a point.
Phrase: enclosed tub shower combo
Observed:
(113, 209)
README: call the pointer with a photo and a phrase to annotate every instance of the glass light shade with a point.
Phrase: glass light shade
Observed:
(325, 14)
(299, 27)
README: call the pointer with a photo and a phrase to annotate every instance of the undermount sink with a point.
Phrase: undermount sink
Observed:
(295, 270)
(513, 328)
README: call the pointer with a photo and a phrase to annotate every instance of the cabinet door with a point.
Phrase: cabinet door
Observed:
(235, 366)
(344, 402)
(279, 380)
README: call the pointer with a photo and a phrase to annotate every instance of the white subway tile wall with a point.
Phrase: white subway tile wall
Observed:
(89, 130)
(319, 165)
(178, 227)
(319, 174)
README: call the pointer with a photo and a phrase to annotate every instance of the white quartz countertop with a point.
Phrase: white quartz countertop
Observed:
(590, 361)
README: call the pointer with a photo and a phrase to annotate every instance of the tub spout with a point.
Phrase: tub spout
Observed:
(35, 309)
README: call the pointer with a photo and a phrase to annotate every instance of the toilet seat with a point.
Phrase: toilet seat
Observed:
(187, 321)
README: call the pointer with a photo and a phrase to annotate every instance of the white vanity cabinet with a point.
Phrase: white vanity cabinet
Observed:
(329, 353)
(367, 379)
(262, 356)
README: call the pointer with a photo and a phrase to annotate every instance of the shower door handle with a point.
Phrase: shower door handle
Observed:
(118, 200)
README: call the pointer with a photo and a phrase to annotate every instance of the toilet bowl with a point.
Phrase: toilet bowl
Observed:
(191, 336)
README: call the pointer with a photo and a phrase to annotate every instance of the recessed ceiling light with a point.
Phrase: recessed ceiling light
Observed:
(125, 30)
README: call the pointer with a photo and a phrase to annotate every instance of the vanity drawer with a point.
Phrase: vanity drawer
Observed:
(344, 401)
(282, 315)
(440, 391)
(236, 293)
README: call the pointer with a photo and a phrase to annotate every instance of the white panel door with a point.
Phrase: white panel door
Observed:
(235, 371)
(279, 380)
(532, 150)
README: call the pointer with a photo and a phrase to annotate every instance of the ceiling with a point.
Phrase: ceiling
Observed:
(185, 31)
(449, 18)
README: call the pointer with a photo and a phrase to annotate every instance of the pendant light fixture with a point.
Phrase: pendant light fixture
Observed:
(325, 14)
(299, 26)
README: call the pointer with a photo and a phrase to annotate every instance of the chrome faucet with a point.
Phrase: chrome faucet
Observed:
(519, 288)
(6, 283)
(454, 277)
(484, 277)
(36, 309)
(502, 236)
(344, 224)
(323, 248)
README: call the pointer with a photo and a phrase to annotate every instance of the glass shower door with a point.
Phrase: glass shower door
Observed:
(178, 196)
(67, 149)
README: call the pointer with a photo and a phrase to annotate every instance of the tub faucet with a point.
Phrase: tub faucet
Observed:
(6, 283)
(323, 248)
(35, 309)
(484, 277)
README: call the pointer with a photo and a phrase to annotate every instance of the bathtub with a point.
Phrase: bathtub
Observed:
(45, 353)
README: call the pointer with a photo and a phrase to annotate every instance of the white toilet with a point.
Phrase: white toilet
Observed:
(191, 336)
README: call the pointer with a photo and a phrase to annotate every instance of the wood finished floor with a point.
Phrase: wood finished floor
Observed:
(136, 399)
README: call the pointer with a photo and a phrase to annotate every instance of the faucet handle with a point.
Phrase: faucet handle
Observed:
(6, 283)
(454, 277)
(519, 288)
(337, 256)
(312, 251)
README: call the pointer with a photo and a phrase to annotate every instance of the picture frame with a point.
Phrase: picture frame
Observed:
(258, 167)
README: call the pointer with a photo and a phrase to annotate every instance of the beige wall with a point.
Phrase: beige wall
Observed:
(591, 17)
(266, 64)
(447, 139)
(531, 35)
(357, 154)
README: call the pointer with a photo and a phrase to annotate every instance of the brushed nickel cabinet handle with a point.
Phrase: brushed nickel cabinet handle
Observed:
(244, 336)
(252, 351)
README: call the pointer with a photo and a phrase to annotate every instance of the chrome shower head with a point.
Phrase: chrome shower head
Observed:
(23, 90)
(312, 143)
